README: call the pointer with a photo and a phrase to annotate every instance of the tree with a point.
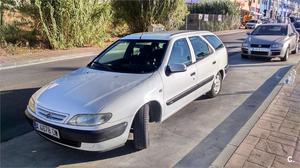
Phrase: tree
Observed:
(139, 14)
(249, 4)
(5, 5)
(69, 23)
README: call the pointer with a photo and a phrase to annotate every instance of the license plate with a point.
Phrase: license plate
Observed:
(260, 49)
(46, 129)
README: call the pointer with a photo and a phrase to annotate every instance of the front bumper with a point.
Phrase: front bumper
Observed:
(270, 53)
(90, 140)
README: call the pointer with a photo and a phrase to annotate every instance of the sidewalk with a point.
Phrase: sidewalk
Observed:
(45, 55)
(12, 61)
(274, 141)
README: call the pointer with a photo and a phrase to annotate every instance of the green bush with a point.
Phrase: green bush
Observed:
(69, 23)
(219, 7)
(139, 14)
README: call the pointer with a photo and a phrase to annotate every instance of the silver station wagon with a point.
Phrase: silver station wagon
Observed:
(141, 78)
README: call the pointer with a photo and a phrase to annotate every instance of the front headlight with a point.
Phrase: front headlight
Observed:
(90, 119)
(277, 45)
(245, 44)
(31, 105)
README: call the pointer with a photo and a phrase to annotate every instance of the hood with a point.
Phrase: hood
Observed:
(265, 39)
(86, 90)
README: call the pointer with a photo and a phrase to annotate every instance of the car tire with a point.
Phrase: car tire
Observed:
(216, 87)
(141, 128)
(244, 56)
(296, 49)
(286, 56)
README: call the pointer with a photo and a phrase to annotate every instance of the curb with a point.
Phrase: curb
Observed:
(230, 148)
(46, 60)
(74, 56)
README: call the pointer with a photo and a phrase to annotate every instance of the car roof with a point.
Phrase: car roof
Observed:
(164, 35)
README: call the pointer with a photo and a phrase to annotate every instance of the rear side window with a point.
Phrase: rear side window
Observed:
(180, 53)
(201, 48)
(214, 41)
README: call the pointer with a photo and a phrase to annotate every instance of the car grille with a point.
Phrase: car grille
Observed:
(261, 45)
(49, 115)
(259, 53)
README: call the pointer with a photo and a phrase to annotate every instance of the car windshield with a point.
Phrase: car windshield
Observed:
(131, 56)
(277, 30)
(252, 21)
(297, 24)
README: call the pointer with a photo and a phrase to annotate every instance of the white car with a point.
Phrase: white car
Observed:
(252, 24)
(141, 78)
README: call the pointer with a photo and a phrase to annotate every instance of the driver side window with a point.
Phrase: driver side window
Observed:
(180, 53)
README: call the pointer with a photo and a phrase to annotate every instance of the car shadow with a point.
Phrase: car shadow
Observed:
(13, 105)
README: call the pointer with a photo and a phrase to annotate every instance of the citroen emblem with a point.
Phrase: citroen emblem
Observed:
(49, 115)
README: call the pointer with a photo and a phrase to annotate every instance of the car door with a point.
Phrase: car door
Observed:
(206, 63)
(179, 86)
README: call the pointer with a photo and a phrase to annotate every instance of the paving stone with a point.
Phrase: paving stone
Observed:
(251, 165)
(291, 124)
(296, 156)
(293, 117)
(282, 162)
(280, 107)
(280, 113)
(259, 132)
(284, 136)
(282, 102)
(268, 125)
(261, 158)
(294, 110)
(289, 131)
(251, 140)
(298, 146)
(244, 149)
(272, 118)
(282, 141)
(236, 161)
(275, 148)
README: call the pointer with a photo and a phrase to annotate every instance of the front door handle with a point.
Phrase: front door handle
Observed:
(214, 62)
(193, 74)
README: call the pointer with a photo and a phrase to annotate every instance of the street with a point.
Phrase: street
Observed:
(196, 134)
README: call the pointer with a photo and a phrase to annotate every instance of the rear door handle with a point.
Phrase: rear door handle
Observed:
(194, 73)
(214, 62)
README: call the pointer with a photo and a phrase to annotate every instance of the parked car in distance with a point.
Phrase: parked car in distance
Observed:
(252, 24)
(141, 78)
(270, 41)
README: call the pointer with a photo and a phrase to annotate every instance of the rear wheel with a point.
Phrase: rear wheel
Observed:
(216, 87)
(141, 128)
(286, 56)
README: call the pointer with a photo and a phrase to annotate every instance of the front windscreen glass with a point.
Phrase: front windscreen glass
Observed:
(131, 56)
(276, 30)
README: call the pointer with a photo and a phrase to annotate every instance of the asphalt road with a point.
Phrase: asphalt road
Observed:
(194, 136)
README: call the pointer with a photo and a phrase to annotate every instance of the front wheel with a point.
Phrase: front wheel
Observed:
(216, 87)
(296, 49)
(141, 128)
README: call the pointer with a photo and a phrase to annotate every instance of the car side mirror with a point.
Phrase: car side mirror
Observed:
(292, 34)
(174, 68)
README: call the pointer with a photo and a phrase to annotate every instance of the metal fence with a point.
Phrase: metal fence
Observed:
(211, 22)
